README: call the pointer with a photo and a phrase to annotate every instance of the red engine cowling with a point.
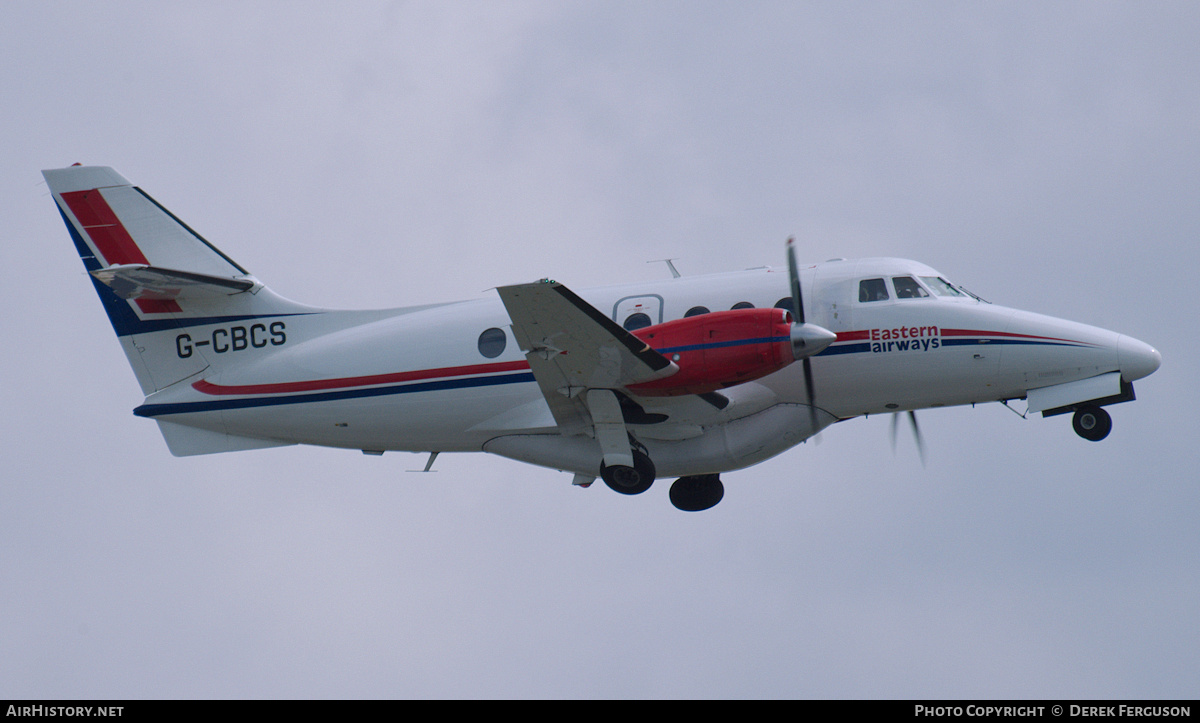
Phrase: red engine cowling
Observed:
(718, 350)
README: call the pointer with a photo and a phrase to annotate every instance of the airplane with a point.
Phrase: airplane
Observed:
(687, 378)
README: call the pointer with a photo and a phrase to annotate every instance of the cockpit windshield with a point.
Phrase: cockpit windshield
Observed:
(872, 290)
(908, 288)
(940, 286)
(912, 287)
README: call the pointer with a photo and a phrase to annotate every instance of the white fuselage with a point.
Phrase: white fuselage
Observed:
(418, 380)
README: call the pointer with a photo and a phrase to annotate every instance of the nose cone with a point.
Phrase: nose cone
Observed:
(1137, 359)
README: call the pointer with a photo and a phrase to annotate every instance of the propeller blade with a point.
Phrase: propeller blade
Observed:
(798, 313)
(912, 417)
(916, 428)
(812, 399)
(794, 276)
(807, 339)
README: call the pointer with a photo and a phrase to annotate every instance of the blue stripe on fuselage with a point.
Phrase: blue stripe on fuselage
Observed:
(723, 344)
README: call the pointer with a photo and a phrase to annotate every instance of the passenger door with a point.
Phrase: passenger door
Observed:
(633, 312)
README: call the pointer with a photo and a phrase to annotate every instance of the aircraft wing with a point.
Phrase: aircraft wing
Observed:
(571, 347)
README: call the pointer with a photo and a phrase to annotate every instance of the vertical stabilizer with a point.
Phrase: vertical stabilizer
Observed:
(163, 285)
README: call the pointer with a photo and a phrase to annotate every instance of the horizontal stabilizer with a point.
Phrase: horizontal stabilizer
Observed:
(139, 281)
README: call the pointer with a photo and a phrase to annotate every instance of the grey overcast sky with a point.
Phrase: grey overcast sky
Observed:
(373, 154)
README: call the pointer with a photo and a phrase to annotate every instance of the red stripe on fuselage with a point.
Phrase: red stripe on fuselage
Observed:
(974, 332)
(364, 381)
(112, 241)
(865, 335)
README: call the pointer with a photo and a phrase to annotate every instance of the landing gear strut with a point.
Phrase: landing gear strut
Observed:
(624, 465)
(696, 493)
(1092, 423)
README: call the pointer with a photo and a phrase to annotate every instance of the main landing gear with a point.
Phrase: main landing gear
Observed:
(629, 480)
(625, 464)
(690, 494)
(698, 492)
(1092, 423)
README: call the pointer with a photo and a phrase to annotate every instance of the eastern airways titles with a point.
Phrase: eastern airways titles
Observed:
(906, 338)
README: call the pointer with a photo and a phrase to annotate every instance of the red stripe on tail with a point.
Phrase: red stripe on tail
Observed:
(112, 241)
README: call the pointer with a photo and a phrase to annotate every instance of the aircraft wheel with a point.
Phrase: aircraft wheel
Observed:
(697, 493)
(1092, 423)
(629, 480)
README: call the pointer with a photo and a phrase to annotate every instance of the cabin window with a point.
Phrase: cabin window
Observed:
(696, 311)
(786, 304)
(872, 290)
(742, 305)
(492, 342)
(908, 288)
(636, 321)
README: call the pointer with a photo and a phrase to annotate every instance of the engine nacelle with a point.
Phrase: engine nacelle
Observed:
(718, 350)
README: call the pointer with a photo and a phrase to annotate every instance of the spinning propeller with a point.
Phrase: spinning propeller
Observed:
(912, 418)
(807, 339)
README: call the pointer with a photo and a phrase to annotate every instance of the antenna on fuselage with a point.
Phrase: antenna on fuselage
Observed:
(428, 465)
(674, 272)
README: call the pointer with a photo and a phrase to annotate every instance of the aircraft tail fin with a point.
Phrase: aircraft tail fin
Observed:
(156, 277)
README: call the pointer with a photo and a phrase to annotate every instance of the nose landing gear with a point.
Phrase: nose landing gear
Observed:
(1092, 423)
